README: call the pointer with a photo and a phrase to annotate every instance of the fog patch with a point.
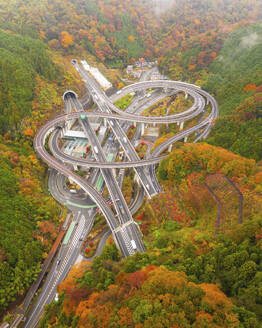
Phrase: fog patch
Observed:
(161, 6)
(250, 40)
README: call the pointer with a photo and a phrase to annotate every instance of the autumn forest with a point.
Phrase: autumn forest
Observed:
(200, 269)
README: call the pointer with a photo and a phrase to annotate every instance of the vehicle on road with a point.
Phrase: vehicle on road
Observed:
(96, 149)
(133, 243)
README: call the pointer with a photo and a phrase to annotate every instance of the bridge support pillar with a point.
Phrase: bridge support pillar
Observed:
(137, 179)
(185, 139)
(114, 173)
(68, 125)
(170, 148)
(134, 123)
(154, 125)
(105, 122)
(186, 95)
(181, 127)
(143, 129)
(115, 240)
(75, 167)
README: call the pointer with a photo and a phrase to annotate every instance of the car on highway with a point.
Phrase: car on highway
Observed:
(133, 243)
(96, 149)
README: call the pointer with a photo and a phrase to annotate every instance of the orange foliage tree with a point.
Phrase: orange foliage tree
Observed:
(66, 39)
(250, 87)
(131, 38)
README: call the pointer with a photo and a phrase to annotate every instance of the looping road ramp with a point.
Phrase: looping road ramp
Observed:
(124, 232)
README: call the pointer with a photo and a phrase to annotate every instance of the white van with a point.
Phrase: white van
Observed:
(96, 149)
(133, 243)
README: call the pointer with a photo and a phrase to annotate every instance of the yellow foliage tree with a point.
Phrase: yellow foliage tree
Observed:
(131, 38)
(66, 39)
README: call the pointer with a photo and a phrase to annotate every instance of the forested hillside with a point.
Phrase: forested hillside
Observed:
(236, 79)
(188, 33)
(21, 60)
(28, 216)
(111, 31)
(213, 268)
(194, 273)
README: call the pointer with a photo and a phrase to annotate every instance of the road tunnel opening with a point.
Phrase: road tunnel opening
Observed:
(69, 94)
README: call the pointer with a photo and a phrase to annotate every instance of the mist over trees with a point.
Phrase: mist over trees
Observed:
(213, 280)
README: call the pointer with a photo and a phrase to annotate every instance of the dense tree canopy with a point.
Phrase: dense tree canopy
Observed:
(21, 59)
(217, 45)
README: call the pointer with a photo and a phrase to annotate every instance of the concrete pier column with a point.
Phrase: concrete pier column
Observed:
(143, 128)
(170, 148)
(181, 127)
(66, 126)
(134, 123)
(114, 173)
(137, 180)
(75, 167)
(115, 240)
(185, 139)
(186, 95)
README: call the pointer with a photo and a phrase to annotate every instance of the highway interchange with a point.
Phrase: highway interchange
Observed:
(125, 231)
